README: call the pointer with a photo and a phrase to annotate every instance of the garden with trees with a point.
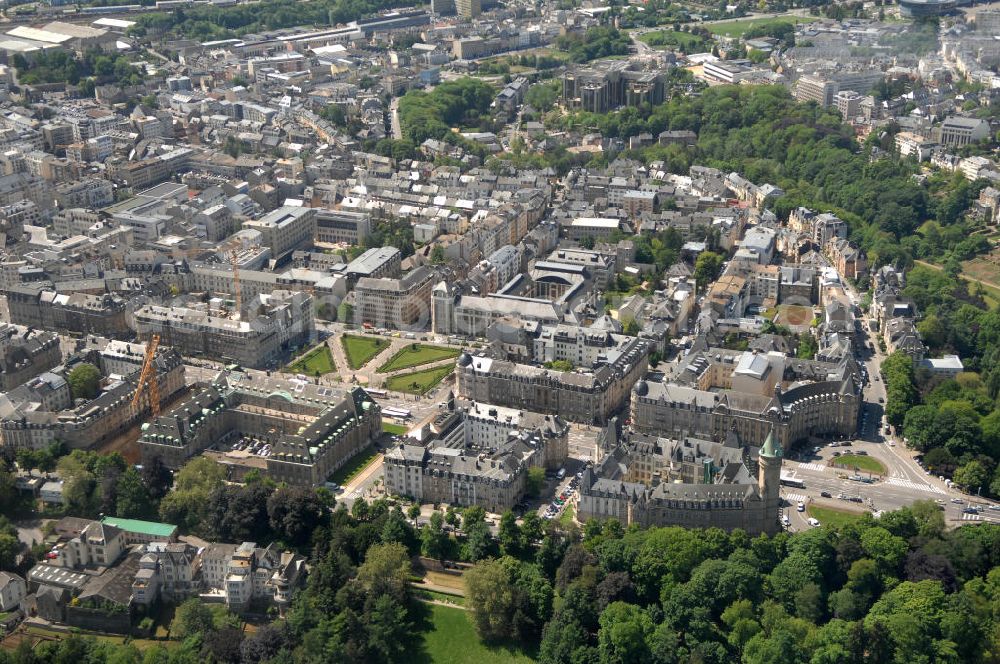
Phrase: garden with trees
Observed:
(900, 588)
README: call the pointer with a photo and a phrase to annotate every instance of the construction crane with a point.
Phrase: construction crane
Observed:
(147, 378)
(234, 258)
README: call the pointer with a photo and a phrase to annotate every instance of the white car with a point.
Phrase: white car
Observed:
(801, 507)
(813, 522)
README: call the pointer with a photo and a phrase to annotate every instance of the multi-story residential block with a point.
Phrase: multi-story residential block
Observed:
(958, 131)
(26, 353)
(342, 227)
(271, 325)
(849, 259)
(41, 412)
(476, 454)
(713, 390)
(286, 229)
(401, 303)
(913, 145)
(817, 89)
(37, 307)
(581, 396)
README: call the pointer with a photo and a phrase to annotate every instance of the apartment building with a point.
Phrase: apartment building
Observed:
(286, 229)
(105, 315)
(579, 396)
(713, 390)
(817, 89)
(41, 412)
(342, 227)
(957, 131)
(401, 303)
(262, 335)
(476, 454)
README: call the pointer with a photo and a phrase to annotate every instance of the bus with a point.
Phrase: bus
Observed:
(400, 413)
(788, 480)
(376, 393)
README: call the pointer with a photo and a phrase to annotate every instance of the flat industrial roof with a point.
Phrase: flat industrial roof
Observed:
(26, 32)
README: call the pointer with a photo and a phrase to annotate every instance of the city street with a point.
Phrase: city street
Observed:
(905, 481)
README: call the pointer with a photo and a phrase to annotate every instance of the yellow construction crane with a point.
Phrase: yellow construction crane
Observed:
(234, 258)
(147, 378)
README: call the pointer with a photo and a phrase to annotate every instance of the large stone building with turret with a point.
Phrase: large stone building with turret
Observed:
(710, 391)
(689, 482)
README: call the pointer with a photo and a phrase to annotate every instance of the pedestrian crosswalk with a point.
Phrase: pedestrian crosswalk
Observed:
(816, 467)
(971, 517)
(795, 497)
(909, 484)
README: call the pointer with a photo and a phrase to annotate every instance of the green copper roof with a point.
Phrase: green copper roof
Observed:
(144, 527)
(771, 448)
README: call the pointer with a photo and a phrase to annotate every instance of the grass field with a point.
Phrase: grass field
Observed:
(418, 382)
(988, 275)
(737, 28)
(360, 350)
(354, 465)
(51, 634)
(865, 463)
(453, 640)
(393, 429)
(829, 516)
(456, 582)
(416, 354)
(316, 362)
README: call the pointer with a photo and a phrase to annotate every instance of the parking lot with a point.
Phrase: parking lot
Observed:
(251, 446)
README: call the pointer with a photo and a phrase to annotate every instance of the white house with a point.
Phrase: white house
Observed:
(12, 591)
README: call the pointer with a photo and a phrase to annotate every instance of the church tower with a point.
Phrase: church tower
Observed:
(769, 481)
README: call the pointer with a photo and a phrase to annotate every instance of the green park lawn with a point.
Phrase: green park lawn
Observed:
(452, 639)
(416, 354)
(830, 516)
(317, 362)
(737, 28)
(354, 465)
(361, 350)
(865, 463)
(393, 429)
(418, 382)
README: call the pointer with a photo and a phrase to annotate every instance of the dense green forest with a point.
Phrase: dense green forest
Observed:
(461, 103)
(207, 22)
(597, 42)
(895, 590)
(57, 66)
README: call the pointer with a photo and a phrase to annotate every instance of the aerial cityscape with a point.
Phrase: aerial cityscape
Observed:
(489, 331)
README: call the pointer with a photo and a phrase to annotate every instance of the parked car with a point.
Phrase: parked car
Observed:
(813, 522)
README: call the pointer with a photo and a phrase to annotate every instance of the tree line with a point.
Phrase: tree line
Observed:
(899, 588)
